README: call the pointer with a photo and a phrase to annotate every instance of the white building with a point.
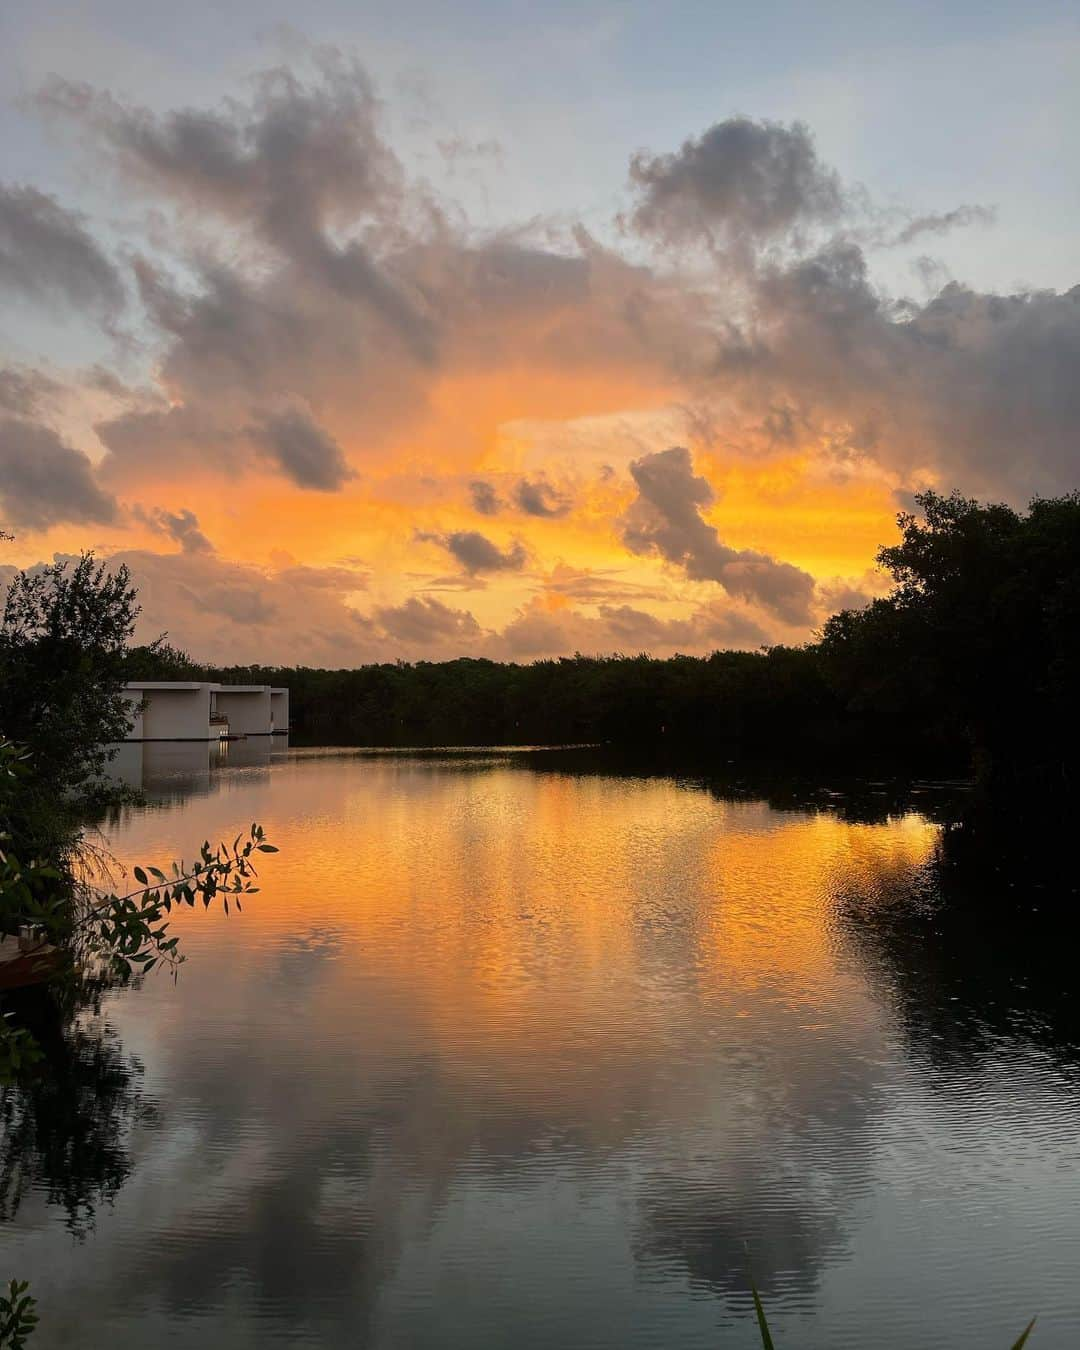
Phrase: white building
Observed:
(191, 710)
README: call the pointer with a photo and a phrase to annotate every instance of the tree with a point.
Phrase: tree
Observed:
(980, 638)
(64, 631)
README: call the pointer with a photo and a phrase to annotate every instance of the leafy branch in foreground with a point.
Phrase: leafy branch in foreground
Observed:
(17, 1316)
(129, 932)
(133, 930)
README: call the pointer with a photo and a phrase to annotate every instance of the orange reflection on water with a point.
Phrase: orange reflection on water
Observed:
(539, 919)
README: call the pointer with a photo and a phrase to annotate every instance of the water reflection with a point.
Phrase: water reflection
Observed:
(516, 1049)
(65, 1133)
(170, 771)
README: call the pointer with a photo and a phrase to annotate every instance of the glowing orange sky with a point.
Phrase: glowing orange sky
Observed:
(324, 418)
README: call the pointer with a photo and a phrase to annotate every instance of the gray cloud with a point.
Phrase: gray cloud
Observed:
(980, 389)
(532, 497)
(536, 632)
(301, 159)
(484, 498)
(476, 553)
(24, 390)
(598, 585)
(296, 614)
(638, 630)
(180, 526)
(343, 579)
(666, 519)
(423, 621)
(44, 482)
(302, 450)
(307, 267)
(47, 253)
(539, 498)
(306, 273)
(741, 181)
(939, 223)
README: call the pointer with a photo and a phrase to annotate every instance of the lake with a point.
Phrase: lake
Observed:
(518, 1050)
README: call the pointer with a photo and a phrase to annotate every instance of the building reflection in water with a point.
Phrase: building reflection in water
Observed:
(554, 1058)
(173, 770)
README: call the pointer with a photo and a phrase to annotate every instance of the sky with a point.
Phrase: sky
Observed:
(410, 331)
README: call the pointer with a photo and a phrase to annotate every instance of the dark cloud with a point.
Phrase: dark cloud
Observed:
(532, 497)
(300, 160)
(180, 526)
(939, 223)
(290, 261)
(423, 621)
(476, 553)
(484, 498)
(741, 181)
(47, 253)
(44, 482)
(302, 450)
(539, 498)
(980, 389)
(666, 519)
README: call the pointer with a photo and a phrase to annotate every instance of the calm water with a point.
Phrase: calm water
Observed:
(507, 1055)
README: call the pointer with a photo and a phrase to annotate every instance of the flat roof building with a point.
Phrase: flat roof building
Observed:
(197, 710)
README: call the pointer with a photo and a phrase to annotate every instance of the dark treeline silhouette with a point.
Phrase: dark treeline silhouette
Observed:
(970, 664)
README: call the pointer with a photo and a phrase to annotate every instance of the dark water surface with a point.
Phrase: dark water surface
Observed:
(510, 1052)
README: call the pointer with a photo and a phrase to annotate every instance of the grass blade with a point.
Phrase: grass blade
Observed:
(1024, 1335)
(763, 1326)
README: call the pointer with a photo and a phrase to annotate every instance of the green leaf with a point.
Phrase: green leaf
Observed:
(267, 848)
(140, 876)
(1019, 1345)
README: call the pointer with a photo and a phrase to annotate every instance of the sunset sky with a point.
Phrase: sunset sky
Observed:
(366, 331)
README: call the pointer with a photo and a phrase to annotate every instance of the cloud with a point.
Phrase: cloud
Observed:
(24, 390)
(476, 553)
(230, 613)
(47, 253)
(484, 498)
(710, 626)
(181, 526)
(422, 621)
(532, 497)
(539, 498)
(973, 389)
(311, 315)
(302, 450)
(666, 519)
(45, 482)
(148, 443)
(603, 585)
(537, 632)
(939, 223)
(740, 181)
(301, 158)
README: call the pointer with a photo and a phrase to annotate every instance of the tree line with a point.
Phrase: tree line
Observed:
(970, 664)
